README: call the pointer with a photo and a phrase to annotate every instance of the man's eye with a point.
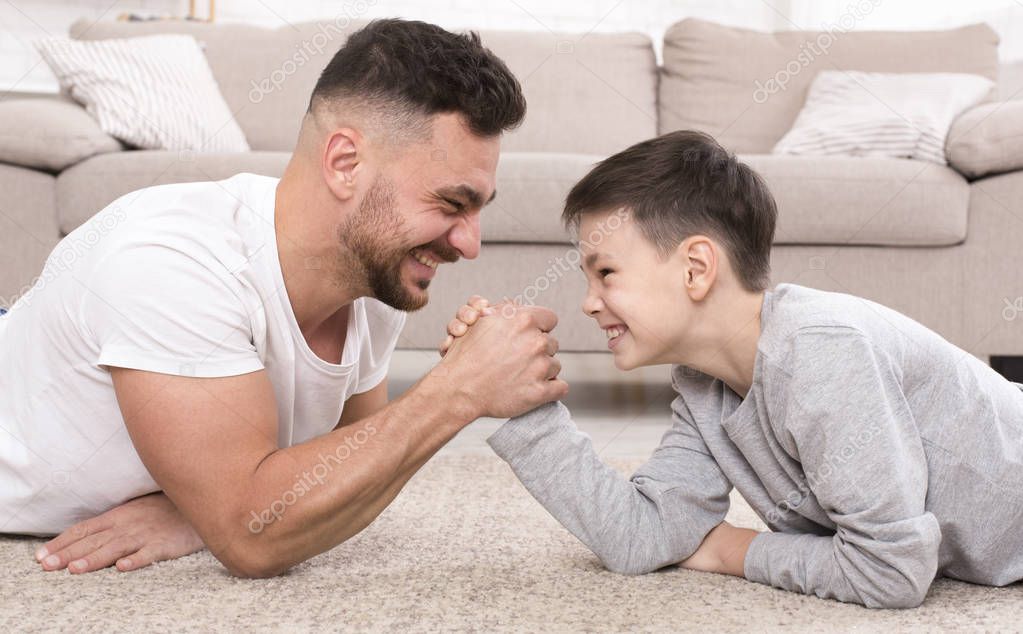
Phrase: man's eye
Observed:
(604, 272)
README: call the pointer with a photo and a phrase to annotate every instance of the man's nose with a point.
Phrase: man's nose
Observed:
(465, 236)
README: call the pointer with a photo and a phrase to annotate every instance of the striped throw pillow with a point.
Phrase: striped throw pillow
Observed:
(153, 92)
(895, 115)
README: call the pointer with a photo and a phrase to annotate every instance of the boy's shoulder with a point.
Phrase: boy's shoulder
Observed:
(790, 309)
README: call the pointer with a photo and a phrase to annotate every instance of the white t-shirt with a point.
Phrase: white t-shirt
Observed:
(177, 279)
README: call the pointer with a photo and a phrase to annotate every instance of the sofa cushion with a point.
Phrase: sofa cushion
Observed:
(28, 226)
(531, 186)
(987, 139)
(267, 76)
(49, 134)
(531, 191)
(593, 93)
(858, 201)
(88, 187)
(746, 87)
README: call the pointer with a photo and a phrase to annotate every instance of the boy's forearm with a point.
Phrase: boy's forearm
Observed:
(634, 526)
(308, 498)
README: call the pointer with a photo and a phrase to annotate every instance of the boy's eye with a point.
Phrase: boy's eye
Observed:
(604, 272)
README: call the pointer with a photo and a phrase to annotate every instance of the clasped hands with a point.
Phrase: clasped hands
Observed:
(724, 548)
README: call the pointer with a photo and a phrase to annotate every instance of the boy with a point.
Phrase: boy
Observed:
(879, 454)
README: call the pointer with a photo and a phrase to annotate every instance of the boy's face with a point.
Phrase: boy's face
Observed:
(635, 296)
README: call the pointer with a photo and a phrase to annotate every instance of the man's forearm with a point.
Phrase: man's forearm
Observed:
(306, 499)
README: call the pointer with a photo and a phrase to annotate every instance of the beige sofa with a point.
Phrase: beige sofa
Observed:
(917, 236)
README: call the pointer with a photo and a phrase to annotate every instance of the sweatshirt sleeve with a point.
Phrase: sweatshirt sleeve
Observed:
(864, 461)
(656, 518)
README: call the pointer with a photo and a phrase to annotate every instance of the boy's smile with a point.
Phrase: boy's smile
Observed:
(632, 291)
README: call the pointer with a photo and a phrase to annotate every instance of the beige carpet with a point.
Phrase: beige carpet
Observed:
(464, 548)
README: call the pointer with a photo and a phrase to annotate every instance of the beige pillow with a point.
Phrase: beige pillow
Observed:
(155, 92)
(888, 115)
(746, 87)
(50, 134)
(987, 139)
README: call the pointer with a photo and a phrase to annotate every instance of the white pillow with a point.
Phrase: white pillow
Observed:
(154, 92)
(898, 115)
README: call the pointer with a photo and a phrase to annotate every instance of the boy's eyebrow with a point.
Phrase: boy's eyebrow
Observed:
(593, 257)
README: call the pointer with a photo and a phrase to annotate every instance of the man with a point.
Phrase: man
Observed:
(219, 357)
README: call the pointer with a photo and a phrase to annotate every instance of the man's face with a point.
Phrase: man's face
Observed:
(635, 295)
(423, 210)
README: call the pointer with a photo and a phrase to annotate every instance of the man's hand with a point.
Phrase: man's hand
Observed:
(134, 535)
(504, 365)
(466, 316)
(723, 550)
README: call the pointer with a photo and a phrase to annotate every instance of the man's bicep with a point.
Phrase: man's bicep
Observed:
(200, 438)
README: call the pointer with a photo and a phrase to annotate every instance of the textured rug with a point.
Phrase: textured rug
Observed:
(463, 548)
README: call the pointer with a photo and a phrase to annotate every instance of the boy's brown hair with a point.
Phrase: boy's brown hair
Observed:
(682, 184)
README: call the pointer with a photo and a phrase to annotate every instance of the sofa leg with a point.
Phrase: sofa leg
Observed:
(1009, 367)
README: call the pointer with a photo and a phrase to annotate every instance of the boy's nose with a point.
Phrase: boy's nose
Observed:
(591, 304)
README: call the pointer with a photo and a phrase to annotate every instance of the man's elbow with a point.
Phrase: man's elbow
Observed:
(246, 553)
(254, 567)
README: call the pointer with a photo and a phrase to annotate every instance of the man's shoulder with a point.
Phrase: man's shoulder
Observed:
(215, 223)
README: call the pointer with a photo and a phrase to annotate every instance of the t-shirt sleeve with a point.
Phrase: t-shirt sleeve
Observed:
(385, 325)
(656, 518)
(156, 308)
(864, 461)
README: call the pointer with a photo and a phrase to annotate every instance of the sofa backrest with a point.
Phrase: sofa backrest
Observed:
(746, 87)
(593, 93)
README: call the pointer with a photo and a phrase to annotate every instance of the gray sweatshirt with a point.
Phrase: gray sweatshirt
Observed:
(878, 454)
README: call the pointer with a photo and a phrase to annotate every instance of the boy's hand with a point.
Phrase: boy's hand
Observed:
(137, 533)
(723, 550)
(466, 316)
(504, 365)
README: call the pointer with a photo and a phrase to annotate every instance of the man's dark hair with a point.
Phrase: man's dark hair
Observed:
(421, 69)
(682, 184)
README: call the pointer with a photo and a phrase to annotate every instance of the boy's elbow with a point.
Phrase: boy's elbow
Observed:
(627, 567)
(910, 593)
(625, 564)
(903, 591)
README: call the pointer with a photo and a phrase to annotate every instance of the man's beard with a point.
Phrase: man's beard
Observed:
(374, 245)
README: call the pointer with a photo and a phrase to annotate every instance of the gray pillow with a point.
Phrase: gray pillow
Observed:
(987, 139)
(50, 134)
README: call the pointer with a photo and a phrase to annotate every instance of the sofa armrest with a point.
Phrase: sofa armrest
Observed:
(50, 134)
(987, 139)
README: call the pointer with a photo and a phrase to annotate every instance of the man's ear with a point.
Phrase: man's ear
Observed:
(343, 162)
(699, 257)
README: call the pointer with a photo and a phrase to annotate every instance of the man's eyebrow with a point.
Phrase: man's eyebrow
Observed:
(465, 194)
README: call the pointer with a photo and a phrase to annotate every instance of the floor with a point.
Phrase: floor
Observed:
(465, 548)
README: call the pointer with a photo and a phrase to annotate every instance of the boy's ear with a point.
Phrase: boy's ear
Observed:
(343, 162)
(699, 256)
